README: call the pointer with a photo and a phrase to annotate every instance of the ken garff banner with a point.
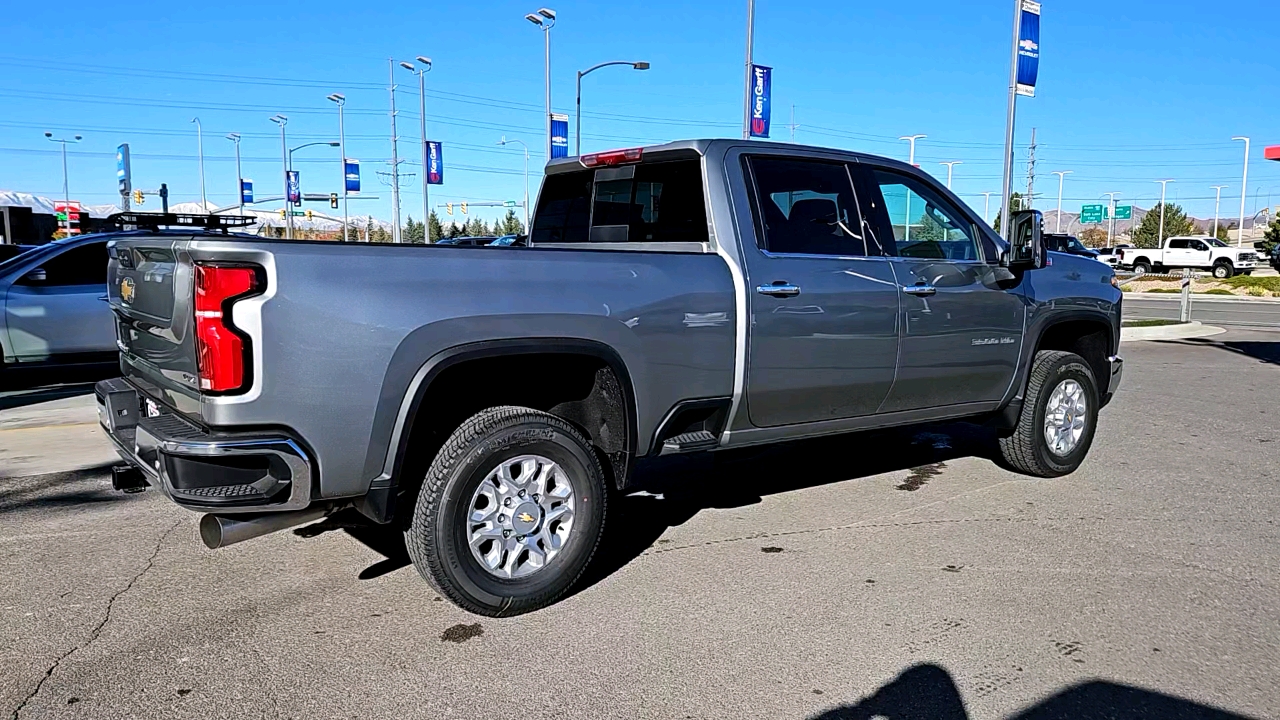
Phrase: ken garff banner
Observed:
(761, 87)
(246, 192)
(559, 135)
(435, 163)
(351, 175)
(1029, 48)
(295, 187)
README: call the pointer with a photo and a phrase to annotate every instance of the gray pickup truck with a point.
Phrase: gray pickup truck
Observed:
(687, 297)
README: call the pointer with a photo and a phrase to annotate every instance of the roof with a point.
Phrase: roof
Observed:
(704, 146)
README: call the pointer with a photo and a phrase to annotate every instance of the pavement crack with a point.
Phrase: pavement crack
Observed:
(102, 624)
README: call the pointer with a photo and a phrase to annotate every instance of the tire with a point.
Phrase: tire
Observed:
(1027, 450)
(1142, 266)
(437, 538)
(1223, 270)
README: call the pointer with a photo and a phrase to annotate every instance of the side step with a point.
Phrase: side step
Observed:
(690, 442)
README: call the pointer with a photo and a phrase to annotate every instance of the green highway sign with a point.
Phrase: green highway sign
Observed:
(1123, 212)
(508, 203)
(1091, 214)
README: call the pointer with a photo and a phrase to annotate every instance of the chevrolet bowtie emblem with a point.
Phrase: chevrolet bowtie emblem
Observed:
(525, 517)
(126, 290)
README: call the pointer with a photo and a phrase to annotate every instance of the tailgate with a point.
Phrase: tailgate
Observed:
(150, 291)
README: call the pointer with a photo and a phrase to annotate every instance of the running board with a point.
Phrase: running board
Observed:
(690, 442)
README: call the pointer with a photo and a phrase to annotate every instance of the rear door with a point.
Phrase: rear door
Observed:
(961, 331)
(823, 335)
(1179, 253)
(62, 315)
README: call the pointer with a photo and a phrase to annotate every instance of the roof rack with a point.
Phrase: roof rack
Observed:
(155, 221)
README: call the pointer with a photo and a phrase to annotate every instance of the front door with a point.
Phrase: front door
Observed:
(961, 331)
(823, 337)
(63, 313)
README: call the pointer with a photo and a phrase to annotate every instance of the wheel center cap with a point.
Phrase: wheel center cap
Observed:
(526, 517)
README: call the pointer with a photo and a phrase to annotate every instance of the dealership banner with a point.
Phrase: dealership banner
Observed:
(435, 163)
(761, 88)
(294, 184)
(559, 135)
(1029, 48)
(351, 175)
(123, 174)
(246, 192)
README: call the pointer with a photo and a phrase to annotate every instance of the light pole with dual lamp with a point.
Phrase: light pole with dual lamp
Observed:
(66, 192)
(1062, 175)
(1217, 204)
(1160, 237)
(235, 138)
(911, 160)
(1244, 190)
(1111, 227)
(204, 204)
(422, 123)
(341, 100)
(638, 65)
(545, 19)
(950, 166)
(281, 120)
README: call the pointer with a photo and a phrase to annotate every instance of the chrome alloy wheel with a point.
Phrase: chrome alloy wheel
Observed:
(520, 516)
(1065, 416)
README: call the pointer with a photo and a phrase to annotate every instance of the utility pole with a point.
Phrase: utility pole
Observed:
(792, 125)
(1031, 171)
(204, 204)
(1160, 237)
(746, 87)
(1217, 203)
(1244, 190)
(1111, 227)
(395, 158)
(1062, 174)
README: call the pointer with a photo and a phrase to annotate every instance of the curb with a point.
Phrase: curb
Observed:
(1169, 332)
(1201, 297)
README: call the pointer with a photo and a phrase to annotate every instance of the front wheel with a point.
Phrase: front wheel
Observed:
(1222, 270)
(1058, 419)
(510, 512)
(1142, 267)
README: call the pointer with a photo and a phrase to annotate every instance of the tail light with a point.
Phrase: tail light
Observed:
(222, 351)
(612, 158)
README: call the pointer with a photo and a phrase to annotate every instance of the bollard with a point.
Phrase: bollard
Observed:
(1185, 315)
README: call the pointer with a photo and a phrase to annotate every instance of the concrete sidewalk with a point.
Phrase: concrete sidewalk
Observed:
(53, 437)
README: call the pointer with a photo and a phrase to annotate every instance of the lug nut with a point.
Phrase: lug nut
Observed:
(502, 518)
(521, 493)
(537, 498)
(506, 502)
(520, 538)
(506, 533)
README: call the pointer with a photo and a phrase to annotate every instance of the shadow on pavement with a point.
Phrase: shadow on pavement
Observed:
(71, 489)
(1267, 352)
(20, 387)
(672, 490)
(927, 692)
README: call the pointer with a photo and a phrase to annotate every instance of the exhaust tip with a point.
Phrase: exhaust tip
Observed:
(211, 531)
(219, 531)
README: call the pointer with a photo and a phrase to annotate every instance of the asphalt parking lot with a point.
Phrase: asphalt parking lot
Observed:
(901, 575)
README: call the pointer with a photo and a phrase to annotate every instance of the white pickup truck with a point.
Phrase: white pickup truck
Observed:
(1203, 253)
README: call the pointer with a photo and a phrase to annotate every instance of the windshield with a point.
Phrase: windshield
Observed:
(1215, 242)
(1075, 244)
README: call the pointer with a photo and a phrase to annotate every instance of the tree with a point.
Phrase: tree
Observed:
(1093, 237)
(477, 228)
(509, 225)
(1271, 237)
(1224, 231)
(1176, 222)
(455, 230)
(434, 230)
(1015, 204)
(926, 230)
(413, 231)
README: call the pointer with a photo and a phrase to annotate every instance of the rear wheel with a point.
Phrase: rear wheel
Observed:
(1142, 266)
(1058, 419)
(1223, 270)
(510, 512)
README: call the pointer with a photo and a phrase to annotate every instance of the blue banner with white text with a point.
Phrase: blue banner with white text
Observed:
(351, 175)
(761, 89)
(246, 192)
(559, 136)
(1029, 48)
(435, 163)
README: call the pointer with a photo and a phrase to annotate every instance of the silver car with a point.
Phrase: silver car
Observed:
(53, 304)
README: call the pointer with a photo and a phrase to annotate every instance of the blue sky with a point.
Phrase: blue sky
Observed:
(1128, 92)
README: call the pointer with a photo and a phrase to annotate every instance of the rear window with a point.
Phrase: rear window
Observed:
(658, 202)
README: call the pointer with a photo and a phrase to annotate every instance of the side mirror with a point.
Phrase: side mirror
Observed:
(1026, 247)
(35, 277)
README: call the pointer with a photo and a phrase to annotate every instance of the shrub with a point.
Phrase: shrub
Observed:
(1219, 291)
(1248, 281)
(1256, 291)
(1164, 290)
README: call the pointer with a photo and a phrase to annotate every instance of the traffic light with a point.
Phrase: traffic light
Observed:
(282, 214)
(448, 207)
(333, 200)
(464, 208)
(138, 197)
(309, 213)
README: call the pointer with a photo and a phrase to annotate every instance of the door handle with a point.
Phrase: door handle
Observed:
(780, 289)
(921, 290)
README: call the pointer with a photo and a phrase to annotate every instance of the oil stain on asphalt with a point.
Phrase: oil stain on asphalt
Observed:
(461, 633)
(921, 475)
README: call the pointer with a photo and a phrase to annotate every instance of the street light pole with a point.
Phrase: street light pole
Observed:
(341, 100)
(545, 19)
(1006, 188)
(1111, 227)
(204, 204)
(422, 122)
(504, 141)
(986, 208)
(1062, 174)
(1244, 190)
(746, 87)
(66, 192)
(1217, 203)
(951, 165)
(395, 157)
(641, 65)
(1160, 237)
(235, 138)
(281, 120)
(911, 159)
